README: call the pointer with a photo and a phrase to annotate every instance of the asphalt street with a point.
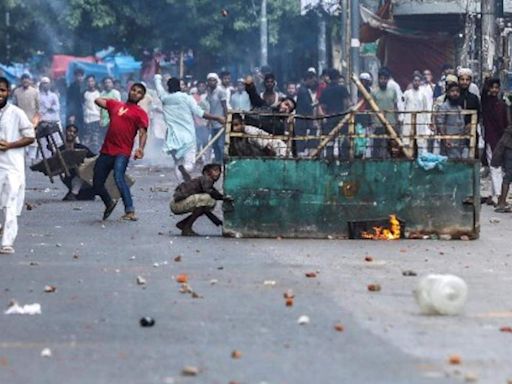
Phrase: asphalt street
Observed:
(91, 322)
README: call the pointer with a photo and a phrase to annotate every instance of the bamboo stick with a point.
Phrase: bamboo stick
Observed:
(373, 105)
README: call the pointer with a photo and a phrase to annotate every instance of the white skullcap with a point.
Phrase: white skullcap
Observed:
(312, 70)
(365, 76)
(465, 72)
(45, 79)
(212, 75)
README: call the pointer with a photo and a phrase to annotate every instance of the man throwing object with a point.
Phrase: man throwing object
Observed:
(126, 119)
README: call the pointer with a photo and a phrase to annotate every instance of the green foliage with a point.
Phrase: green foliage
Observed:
(82, 27)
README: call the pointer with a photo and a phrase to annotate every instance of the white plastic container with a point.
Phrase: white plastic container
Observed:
(441, 294)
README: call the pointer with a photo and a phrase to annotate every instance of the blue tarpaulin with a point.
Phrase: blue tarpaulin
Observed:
(115, 66)
(12, 73)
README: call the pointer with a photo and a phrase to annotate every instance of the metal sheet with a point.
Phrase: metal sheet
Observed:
(315, 199)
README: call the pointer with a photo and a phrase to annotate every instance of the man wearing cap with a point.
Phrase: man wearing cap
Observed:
(48, 102)
(217, 99)
(469, 100)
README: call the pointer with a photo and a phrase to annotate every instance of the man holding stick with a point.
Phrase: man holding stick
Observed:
(179, 111)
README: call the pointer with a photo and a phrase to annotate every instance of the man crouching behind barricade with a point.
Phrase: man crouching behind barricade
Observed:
(259, 143)
(198, 197)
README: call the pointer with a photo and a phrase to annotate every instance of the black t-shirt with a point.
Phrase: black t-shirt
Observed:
(334, 99)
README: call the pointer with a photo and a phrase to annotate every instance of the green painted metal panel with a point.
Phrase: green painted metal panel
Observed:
(317, 199)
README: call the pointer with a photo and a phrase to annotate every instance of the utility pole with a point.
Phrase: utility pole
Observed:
(7, 36)
(264, 33)
(322, 39)
(355, 44)
(343, 36)
(488, 9)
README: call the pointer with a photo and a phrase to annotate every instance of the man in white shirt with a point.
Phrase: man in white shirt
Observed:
(49, 105)
(240, 99)
(415, 100)
(91, 137)
(16, 132)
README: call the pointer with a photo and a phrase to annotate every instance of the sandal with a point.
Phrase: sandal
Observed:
(108, 211)
(129, 216)
(506, 209)
(6, 250)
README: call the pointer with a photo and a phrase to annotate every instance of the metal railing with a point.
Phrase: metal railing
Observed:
(344, 136)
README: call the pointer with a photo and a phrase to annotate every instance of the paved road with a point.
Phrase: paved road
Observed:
(91, 322)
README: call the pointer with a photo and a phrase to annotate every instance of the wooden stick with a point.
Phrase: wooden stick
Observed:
(351, 134)
(472, 141)
(210, 143)
(373, 105)
(334, 132)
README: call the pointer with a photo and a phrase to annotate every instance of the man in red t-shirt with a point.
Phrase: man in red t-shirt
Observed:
(126, 119)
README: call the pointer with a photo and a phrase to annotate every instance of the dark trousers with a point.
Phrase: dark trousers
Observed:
(218, 146)
(104, 165)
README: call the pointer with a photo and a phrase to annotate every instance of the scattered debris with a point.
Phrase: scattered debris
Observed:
(182, 278)
(464, 238)
(50, 289)
(374, 287)
(494, 220)
(506, 329)
(236, 354)
(289, 302)
(27, 309)
(33, 263)
(368, 259)
(409, 273)
(47, 352)
(29, 206)
(441, 294)
(310, 275)
(147, 321)
(132, 258)
(303, 320)
(76, 256)
(289, 294)
(190, 371)
(161, 233)
(445, 237)
(339, 327)
(213, 281)
(156, 265)
(185, 288)
(471, 377)
(454, 360)
(58, 245)
(270, 282)
(177, 259)
(141, 280)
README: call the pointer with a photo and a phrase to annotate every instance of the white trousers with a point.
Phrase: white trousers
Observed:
(12, 193)
(188, 161)
(9, 220)
(496, 174)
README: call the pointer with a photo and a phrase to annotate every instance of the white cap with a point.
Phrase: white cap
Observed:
(212, 75)
(45, 79)
(465, 72)
(312, 70)
(365, 76)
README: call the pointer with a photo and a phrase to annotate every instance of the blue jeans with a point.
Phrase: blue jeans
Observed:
(104, 165)
(218, 146)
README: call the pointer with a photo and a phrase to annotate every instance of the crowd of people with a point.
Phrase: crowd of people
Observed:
(182, 118)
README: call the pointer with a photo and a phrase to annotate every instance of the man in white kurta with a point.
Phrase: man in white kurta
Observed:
(415, 100)
(16, 132)
(179, 110)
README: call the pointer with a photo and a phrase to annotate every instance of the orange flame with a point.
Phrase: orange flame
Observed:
(382, 233)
